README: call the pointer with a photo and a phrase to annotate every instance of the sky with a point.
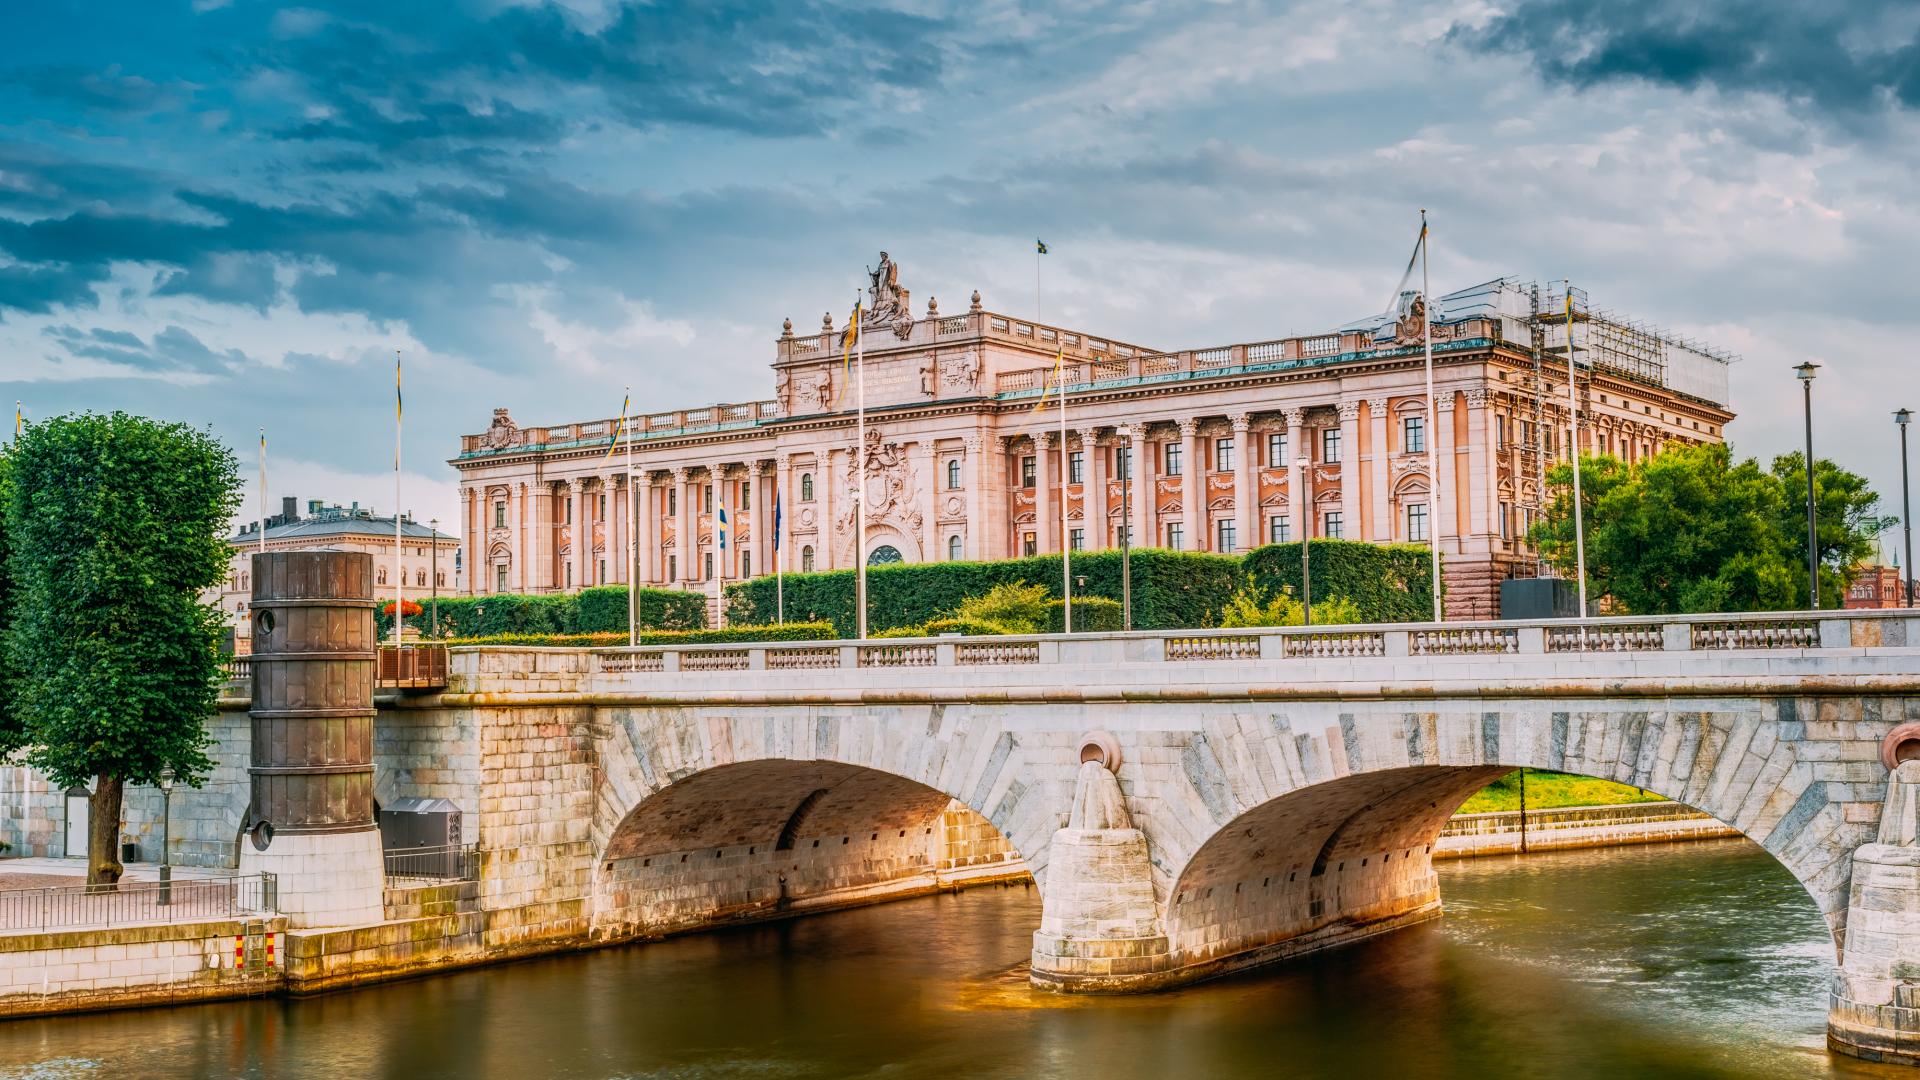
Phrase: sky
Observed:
(231, 213)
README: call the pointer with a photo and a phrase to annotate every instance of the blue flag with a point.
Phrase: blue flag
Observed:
(776, 521)
(723, 528)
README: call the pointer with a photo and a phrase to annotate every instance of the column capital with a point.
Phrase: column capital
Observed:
(1046, 440)
(470, 492)
(1189, 426)
(1295, 417)
(1089, 437)
(1001, 443)
(973, 443)
(1377, 406)
(1137, 433)
(1241, 422)
(1477, 398)
(575, 483)
(1443, 399)
(680, 474)
(1349, 410)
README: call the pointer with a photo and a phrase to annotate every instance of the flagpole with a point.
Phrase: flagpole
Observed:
(263, 491)
(633, 520)
(399, 578)
(1573, 452)
(860, 466)
(1433, 436)
(1060, 388)
(779, 551)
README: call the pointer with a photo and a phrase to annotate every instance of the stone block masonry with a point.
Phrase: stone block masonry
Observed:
(80, 970)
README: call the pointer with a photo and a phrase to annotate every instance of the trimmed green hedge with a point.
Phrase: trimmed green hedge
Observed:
(1091, 615)
(1386, 582)
(1171, 589)
(599, 609)
(813, 631)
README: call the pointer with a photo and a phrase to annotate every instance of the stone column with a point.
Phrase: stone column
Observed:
(1380, 475)
(974, 471)
(1482, 495)
(1440, 513)
(1093, 489)
(826, 489)
(783, 478)
(1043, 512)
(1298, 480)
(1350, 469)
(685, 544)
(1246, 484)
(928, 464)
(473, 538)
(1099, 926)
(579, 533)
(544, 578)
(646, 535)
(763, 527)
(1142, 524)
(1193, 487)
(522, 535)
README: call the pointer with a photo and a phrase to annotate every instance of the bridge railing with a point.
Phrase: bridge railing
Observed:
(1665, 634)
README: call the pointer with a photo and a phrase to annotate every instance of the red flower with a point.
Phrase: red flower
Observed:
(408, 608)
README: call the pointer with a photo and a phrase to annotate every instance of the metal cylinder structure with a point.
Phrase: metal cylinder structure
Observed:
(313, 677)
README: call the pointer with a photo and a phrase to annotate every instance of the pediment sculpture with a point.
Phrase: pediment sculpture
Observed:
(503, 432)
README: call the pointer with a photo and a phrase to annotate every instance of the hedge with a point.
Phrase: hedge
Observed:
(1171, 589)
(1091, 615)
(599, 609)
(812, 631)
(1386, 582)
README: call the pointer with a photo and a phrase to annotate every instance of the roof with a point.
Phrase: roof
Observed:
(347, 524)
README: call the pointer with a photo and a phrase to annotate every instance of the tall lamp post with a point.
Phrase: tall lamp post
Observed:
(1125, 435)
(1301, 464)
(166, 833)
(1805, 372)
(433, 545)
(1902, 417)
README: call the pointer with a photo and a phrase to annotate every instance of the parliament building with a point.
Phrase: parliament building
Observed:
(1220, 448)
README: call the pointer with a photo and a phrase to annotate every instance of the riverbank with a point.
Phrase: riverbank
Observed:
(1511, 832)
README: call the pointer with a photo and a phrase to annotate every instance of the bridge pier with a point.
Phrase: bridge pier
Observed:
(1875, 1008)
(1100, 927)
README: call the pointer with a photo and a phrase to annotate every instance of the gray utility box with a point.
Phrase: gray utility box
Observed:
(1539, 598)
(419, 823)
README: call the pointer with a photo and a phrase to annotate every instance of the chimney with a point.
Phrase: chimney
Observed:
(289, 509)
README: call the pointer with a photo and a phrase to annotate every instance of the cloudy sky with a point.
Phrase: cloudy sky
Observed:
(231, 213)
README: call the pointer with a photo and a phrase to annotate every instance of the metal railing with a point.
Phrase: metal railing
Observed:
(448, 862)
(136, 903)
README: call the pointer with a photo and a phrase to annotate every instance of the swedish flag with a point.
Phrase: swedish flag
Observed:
(1040, 246)
(619, 429)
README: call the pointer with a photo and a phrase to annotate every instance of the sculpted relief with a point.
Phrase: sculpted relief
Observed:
(888, 484)
(503, 432)
(961, 374)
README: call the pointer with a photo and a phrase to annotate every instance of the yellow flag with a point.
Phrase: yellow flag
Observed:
(847, 341)
(619, 429)
(1059, 378)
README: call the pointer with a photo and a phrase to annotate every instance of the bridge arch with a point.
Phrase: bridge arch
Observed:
(705, 819)
(1345, 852)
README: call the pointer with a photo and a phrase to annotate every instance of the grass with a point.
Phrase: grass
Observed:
(1546, 790)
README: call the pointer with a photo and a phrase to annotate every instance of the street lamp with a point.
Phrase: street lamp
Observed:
(1805, 371)
(1902, 417)
(166, 832)
(433, 544)
(1125, 435)
(1301, 464)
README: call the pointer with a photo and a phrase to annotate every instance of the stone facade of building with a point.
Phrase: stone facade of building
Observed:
(1877, 586)
(964, 456)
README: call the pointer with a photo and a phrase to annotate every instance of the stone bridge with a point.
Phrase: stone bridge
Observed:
(1187, 804)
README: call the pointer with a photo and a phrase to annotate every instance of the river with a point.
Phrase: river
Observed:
(1690, 960)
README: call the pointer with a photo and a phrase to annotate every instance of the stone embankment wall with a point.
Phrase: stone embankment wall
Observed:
(79, 970)
(1568, 827)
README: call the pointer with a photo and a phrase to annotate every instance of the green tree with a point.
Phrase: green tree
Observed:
(116, 525)
(1847, 518)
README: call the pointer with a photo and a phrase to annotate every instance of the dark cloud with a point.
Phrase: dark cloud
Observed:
(172, 350)
(107, 91)
(1848, 57)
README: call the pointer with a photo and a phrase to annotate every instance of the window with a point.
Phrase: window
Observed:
(806, 558)
(1028, 544)
(1228, 536)
(1277, 450)
(1176, 536)
(673, 500)
(1278, 529)
(1076, 461)
(1123, 462)
(1077, 539)
(953, 474)
(1506, 521)
(379, 575)
(420, 579)
(500, 514)
(1123, 535)
(706, 498)
(746, 495)
(1499, 432)
(440, 579)
(569, 577)
(806, 489)
(602, 574)
(1330, 446)
(953, 549)
(1026, 472)
(500, 578)
(566, 510)
(1171, 455)
(1332, 527)
(1416, 521)
(673, 568)
(706, 566)
(1414, 432)
(1223, 455)
(746, 562)
(601, 513)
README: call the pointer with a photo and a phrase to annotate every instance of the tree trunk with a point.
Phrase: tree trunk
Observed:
(103, 832)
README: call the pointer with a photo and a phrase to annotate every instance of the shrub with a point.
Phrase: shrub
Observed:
(1022, 609)
(1252, 605)
(1384, 582)
(812, 631)
(968, 627)
(1091, 615)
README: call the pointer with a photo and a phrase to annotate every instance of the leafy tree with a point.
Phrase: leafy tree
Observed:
(117, 525)
(1692, 530)
(1846, 516)
(6, 595)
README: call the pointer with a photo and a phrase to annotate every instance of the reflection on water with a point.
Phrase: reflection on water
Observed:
(1699, 960)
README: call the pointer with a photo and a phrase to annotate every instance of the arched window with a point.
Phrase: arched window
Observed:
(806, 487)
(380, 575)
(953, 549)
(806, 558)
(953, 474)
(420, 578)
(440, 579)
(884, 555)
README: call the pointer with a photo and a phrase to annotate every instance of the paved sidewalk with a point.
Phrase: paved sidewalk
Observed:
(44, 873)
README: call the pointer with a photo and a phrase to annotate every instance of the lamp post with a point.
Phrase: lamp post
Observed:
(433, 545)
(166, 832)
(1805, 372)
(1902, 417)
(1301, 465)
(1125, 435)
